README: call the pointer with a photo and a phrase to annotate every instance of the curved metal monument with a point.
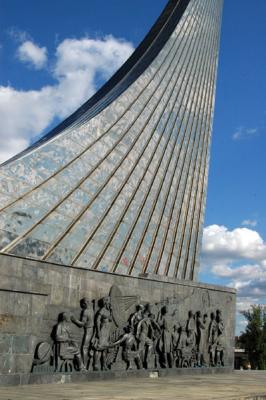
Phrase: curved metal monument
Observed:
(101, 222)
(120, 185)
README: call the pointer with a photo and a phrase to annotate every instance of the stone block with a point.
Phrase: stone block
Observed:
(7, 363)
(5, 343)
(38, 305)
(5, 303)
(23, 363)
(21, 344)
(10, 323)
(12, 379)
(7, 323)
(57, 293)
(21, 303)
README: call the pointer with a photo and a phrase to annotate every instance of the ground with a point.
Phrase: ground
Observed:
(238, 385)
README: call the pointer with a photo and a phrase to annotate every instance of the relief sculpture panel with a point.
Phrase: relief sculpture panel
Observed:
(121, 332)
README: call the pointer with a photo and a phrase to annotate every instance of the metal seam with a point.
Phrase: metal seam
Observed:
(17, 240)
(162, 212)
(159, 191)
(188, 192)
(92, 144)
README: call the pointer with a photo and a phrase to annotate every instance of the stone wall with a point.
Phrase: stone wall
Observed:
(34, 293)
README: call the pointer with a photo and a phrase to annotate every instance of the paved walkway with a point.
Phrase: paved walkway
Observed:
(239, 385)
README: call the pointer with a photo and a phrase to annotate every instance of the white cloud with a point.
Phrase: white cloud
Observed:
(78, 65)
(244, 133)
(245, 271)
(32, 54)
(237, 258)
(249, 222)
(219, 242)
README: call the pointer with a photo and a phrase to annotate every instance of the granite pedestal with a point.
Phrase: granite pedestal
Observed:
(34, 293)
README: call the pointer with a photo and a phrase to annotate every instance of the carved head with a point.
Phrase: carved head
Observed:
(164, 310)
(198, 314)
(128, 329)
(148, 308)
(65, 316)
(218, 315)
(146, 313)
(140, 307)
(176, 328)
(84, 303)
(106, 302)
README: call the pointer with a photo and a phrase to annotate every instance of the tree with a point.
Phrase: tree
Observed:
(254, 338)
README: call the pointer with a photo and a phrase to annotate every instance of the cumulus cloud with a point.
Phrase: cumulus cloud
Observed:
(237, 258)
(244, 133)
(245, 271)
(221, 243)
(78, 67)
(32, 54)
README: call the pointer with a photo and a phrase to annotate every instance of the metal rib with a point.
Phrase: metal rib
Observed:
(16, 241)
(147, 258)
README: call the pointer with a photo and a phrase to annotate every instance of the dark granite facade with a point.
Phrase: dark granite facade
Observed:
(34, 293)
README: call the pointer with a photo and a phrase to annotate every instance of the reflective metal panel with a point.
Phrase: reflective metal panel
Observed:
(120, 185)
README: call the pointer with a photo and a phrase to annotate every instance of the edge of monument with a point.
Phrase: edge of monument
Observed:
(149, 277)
(57, 378)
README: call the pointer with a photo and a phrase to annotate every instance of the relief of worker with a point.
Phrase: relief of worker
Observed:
(165, 341)
(130, 348)
(103, 323)
(87, 323)
(146, 336)
(68, 347)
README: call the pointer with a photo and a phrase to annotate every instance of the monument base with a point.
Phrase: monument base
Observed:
(37, 379)
(151, 324)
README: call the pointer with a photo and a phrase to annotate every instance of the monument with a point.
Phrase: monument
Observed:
(101, 222)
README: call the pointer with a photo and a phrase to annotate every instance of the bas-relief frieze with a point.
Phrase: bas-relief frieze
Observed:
(122, 332)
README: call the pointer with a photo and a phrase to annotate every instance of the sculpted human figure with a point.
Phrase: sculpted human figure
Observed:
(137, 316)
(145, 336)
(213, 335)
(200, 338)
(182, 337)
(185, 346)
(87, 322)
(191, 324)
(130, 348)
(102, 333)
(156, 335)
(165, 341)
(175, 339)
(68, 348)
(220, 338)
(191, 342)
(204, 341)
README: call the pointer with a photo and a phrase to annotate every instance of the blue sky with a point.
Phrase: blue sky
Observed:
(238, 166)
(36, 40)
